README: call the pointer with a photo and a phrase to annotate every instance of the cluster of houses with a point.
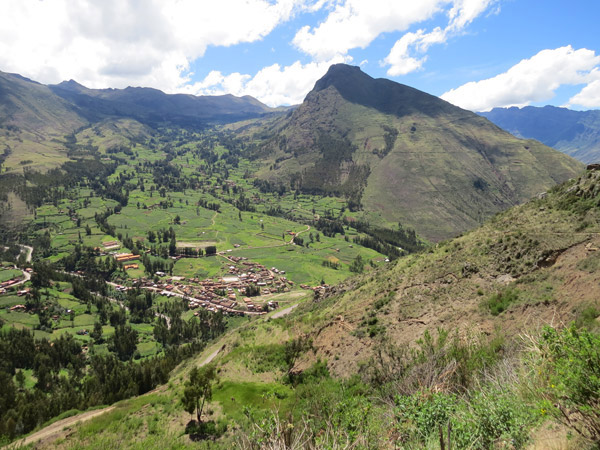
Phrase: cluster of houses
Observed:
(125, 257)
(18, 308)
(318, 289)
(223, 294)
(9, 283)
(111, 245)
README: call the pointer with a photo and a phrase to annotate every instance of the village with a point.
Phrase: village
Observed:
(240, 291)
(236, 293)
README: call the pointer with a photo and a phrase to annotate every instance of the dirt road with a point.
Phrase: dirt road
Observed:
(284, 312)
(57, 427)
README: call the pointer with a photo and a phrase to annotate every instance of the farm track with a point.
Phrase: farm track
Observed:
(54, 430)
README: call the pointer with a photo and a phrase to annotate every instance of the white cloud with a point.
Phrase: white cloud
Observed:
(531, 80)
(116, 42)
(356, 23)
(463, 12)
(273, 85)
(589, 96)
(401, 58)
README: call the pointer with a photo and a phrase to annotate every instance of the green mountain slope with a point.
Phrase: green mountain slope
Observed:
(32, 120)
(406, 156)
(576, 133)
(495, 287)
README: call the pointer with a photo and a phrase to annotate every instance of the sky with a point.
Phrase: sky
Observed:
(477, 54)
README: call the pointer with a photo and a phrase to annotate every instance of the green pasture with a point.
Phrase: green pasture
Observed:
(9, 274)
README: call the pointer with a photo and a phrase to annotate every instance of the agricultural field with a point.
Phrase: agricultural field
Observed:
(158, 244)
(198, 189)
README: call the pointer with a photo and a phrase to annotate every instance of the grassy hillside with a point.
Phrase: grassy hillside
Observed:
(35, 119)
(406, 156)
(387, 358)
(33, 123)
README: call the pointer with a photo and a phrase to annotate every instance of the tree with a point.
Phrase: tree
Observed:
(357, 265)
(20, 377)
(293, 349)
(198, 389)
(172, 246)
(124, 342)
(96, 334)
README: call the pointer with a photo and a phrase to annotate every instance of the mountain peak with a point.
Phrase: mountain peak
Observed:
(71, 85)
(381, 94)
(342, 76)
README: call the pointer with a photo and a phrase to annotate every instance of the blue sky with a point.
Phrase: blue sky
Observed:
(477, 54)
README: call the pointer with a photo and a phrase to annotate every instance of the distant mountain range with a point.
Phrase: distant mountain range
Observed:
(396, 153)
(30, 105)
(34, 118)
(405, 155)
(152, 106)
(576, 133)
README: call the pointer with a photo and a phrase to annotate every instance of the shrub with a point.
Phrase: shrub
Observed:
(492, 419)
(570, 378)
(498, 303)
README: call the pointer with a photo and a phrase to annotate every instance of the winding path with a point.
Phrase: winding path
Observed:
(53, 430)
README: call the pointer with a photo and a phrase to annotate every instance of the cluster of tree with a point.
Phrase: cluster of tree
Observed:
(379, 246)
(209, 205)
(106, 380)
(266, 186)
(140, 305)
(171, 329)
(88, 261)
(102, 221)
(154, 264)
(252, 290)
(358, 264)
(390, 136)
(124, 342)
(5, 154)
(243, 203)
(329, 227)
(11, 253)
(405, 238)
(331, 264)
(53, 185)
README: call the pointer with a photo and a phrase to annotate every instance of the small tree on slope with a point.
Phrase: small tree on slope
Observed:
(198, 389)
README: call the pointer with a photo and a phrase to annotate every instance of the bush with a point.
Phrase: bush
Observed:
(205, 430)
(587, 318)
(498, 303)
(569, 382)
(483, 421)
(492, 419)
